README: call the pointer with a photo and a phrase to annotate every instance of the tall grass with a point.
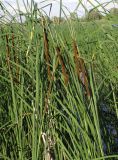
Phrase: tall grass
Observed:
(51, 96)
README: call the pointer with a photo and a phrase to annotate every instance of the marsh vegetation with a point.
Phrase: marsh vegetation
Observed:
(58, 87)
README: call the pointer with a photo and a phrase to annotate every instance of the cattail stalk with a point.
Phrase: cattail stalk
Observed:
(81, 69)
(15, 58)
(48, 155)
(8, 52)
(64, 70)
(47, 55)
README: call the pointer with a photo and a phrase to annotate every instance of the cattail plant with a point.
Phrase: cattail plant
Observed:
(16, 59)
(61, 62)
(81, 69)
